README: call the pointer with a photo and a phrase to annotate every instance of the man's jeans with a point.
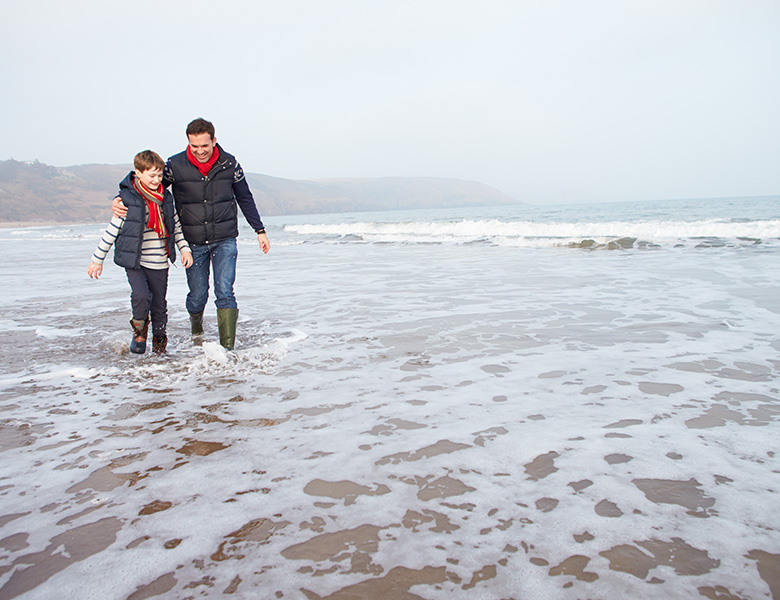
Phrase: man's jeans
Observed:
(222, 258)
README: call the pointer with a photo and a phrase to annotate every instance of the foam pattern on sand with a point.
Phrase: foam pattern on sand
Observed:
(401, 421)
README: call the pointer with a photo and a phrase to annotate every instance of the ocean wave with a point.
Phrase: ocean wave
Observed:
(536, 234)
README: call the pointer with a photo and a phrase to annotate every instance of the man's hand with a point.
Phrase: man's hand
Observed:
(118, 208)
(94, 270)
(265, 245)
(186, 259)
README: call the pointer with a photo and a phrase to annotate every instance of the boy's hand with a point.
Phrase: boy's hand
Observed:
(94, 270)
(186, 259)
(118, 208)
(265, 244)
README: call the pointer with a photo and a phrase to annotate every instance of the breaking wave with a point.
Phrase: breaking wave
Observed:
(623, 234)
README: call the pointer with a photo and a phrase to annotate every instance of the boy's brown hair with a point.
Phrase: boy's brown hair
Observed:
(199, 126)
(146, 159)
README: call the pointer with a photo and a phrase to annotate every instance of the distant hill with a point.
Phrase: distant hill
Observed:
(36, 192)
(286, 196)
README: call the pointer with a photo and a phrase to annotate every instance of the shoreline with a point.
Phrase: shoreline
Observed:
(16, 224)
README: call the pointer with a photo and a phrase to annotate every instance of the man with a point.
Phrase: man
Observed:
(208, 184)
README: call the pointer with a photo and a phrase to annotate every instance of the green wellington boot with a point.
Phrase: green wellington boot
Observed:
(196, 323)
(226, 320)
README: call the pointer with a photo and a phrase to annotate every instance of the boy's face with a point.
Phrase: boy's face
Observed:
(202, 146)
(151, 178)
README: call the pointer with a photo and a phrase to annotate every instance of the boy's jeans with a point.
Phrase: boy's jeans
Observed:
(148, 288)
(222, 258)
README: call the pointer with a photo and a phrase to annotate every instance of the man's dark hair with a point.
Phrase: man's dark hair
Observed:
(199, 126)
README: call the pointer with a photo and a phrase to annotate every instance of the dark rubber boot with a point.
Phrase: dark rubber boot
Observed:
(226, 320)
(196, 323)
(159, 343)
(140, 331)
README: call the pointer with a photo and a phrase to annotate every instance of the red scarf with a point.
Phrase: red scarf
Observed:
(154, 200)
(205, 167)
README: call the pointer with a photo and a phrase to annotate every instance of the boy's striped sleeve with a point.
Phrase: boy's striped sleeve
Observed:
(108, 239)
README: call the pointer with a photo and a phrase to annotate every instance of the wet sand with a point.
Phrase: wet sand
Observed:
(401, 438)
(483, 545)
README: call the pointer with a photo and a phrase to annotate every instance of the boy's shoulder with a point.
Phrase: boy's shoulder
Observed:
(129, 196)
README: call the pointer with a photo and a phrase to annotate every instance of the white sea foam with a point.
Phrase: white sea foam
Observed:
(535, 234)
(449, 420)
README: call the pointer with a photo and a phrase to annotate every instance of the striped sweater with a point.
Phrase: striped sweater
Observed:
(154, 253)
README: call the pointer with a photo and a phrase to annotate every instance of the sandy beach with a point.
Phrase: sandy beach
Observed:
(397, 421)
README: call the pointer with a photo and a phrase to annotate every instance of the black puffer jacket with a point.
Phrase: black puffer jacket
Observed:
(127, 247)
(206, 205)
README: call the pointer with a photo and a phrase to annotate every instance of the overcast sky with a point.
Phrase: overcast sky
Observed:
(547, 100)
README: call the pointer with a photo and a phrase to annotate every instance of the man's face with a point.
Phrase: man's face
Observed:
(202, 146)
(151, 178)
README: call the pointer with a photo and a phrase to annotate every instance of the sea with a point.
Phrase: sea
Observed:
(516, 402)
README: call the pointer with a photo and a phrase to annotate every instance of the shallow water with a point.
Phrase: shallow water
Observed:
(400, 419)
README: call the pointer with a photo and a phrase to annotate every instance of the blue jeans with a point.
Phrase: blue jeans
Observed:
(222, 258)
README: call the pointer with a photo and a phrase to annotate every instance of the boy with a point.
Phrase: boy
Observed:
(144, 241)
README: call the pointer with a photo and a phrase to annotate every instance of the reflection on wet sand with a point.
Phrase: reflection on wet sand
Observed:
(395, 585)
(684, 493)
(342, 490)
